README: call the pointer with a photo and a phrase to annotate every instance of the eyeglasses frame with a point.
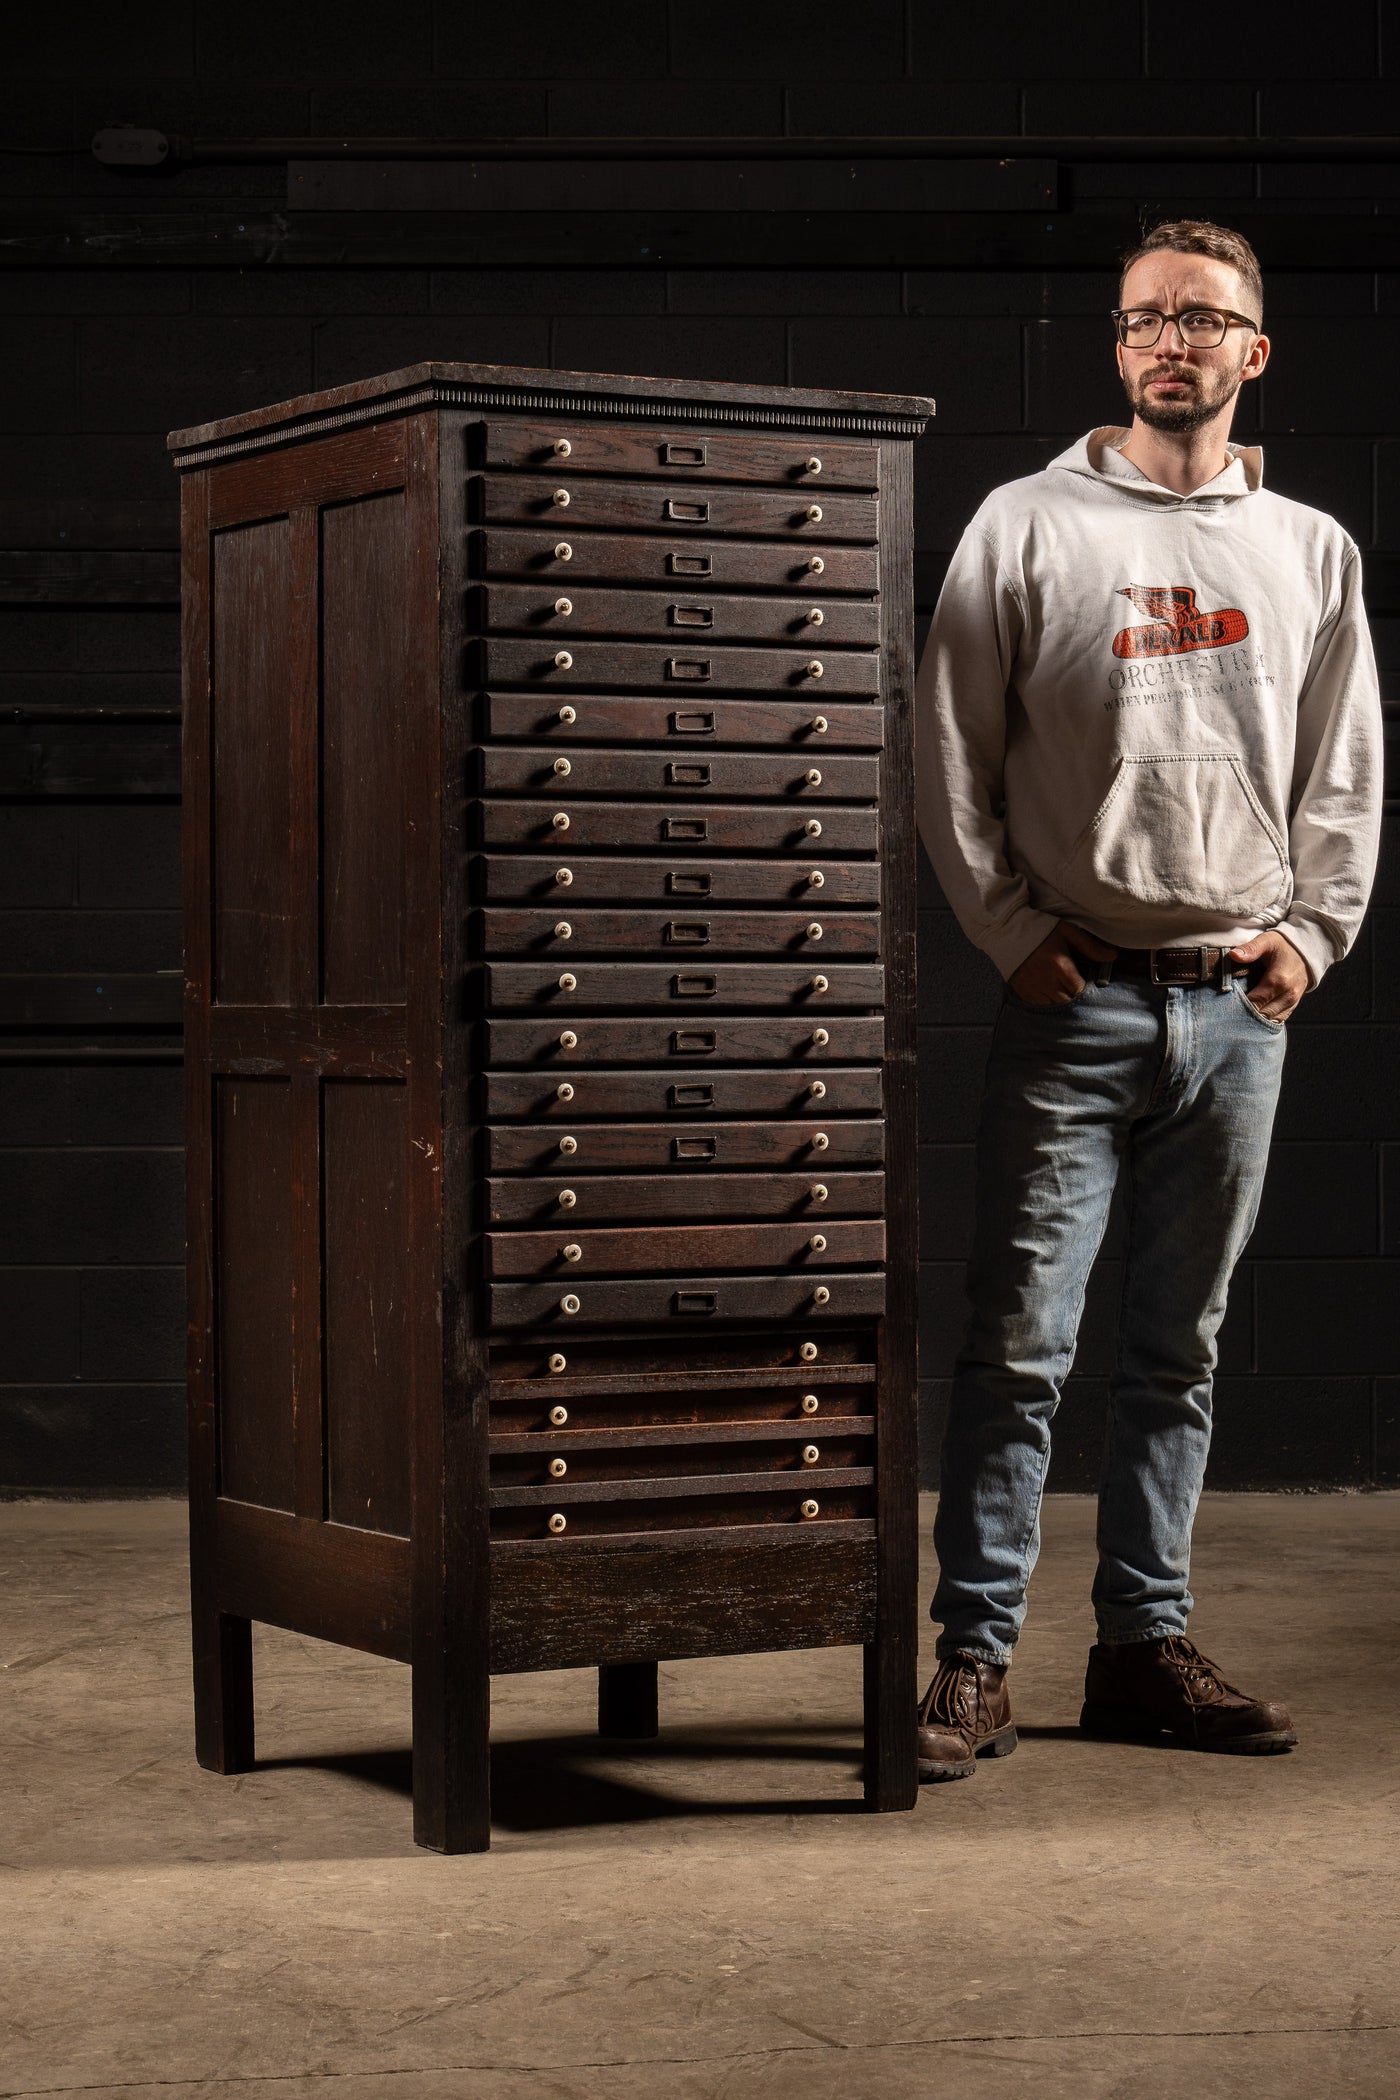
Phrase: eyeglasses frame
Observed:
(1232, 320)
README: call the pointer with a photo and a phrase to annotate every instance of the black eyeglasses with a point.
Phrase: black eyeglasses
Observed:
(1199, 327)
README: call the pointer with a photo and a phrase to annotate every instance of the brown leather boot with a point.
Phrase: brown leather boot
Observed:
(965, 1714)
(1138, 1690)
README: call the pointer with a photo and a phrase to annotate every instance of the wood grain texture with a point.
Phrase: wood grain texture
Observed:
(684, 665)
(655, 506)
(571, 1251)
(362, 783)
(556, 1609)
(689, 1300)
(722, 1039)
(253, 1169)
(367, 1302)
(565, 931)
(771, 1090)
(811, 726)
(690, 989)
(559, 612)
(672, 559)
(612, 1198)
(527, 1148)
(681, 455)
(251, 806)
(688, 826)
(328, 1580)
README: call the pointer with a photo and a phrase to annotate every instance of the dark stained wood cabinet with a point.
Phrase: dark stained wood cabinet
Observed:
(550, 1042)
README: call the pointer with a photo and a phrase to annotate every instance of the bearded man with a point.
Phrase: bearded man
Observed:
(1148, 740)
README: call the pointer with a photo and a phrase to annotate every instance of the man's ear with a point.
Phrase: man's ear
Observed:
(1257, 359)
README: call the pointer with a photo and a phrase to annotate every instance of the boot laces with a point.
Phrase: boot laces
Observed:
(958, 1681)
(1200, 1680)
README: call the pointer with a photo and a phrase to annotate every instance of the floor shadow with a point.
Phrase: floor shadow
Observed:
(551, 1782)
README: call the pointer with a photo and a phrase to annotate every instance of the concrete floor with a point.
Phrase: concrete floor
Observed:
(711, 1917)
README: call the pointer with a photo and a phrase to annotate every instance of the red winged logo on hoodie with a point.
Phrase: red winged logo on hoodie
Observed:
(1175, 625)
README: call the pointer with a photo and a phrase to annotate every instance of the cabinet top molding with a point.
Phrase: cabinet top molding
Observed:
(610, 394)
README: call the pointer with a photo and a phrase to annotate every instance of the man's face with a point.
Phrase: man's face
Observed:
(1171, 386)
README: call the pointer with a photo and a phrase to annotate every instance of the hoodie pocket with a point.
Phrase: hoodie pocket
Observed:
(1181, 829)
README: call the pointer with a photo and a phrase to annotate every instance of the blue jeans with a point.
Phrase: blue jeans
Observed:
(1177, 1086)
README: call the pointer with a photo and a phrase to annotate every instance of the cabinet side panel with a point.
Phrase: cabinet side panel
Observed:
(253, 1205)
(252, 705)
(362, 788)
(363, 1146)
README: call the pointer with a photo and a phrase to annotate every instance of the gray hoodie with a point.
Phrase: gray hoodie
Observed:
(1155, 715)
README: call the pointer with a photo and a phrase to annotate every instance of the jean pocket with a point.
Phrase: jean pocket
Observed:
(1055, 1006)
(1274, 1027)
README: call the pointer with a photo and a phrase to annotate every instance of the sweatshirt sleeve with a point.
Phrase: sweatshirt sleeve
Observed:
(1334, 826)
(960, 751)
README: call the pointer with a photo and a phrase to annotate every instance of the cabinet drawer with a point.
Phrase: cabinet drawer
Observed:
(679, 1451)
(591, 448)
(723, 1040)
(674, 559)
(505, 931)
(699, 827)
(560, 611)
(691, 1300)
(774, 1090)
(565, 1254)
(603, 1199)
(753, 774)
(572, 503)
(770, 984)
(590, 718)
(594, 1148)
(590, 879)
(838, 1514)
(704, 1403)
(678, 666)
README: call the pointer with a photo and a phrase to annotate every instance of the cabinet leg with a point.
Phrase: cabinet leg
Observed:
(891, 1746)
(627, 1704)
(452, 1760)
(223, 1692)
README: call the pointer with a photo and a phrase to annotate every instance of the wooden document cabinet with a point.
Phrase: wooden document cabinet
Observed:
(550, 1042)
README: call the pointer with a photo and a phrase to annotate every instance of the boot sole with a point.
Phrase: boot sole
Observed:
(999, 1745)
(1108, 1724)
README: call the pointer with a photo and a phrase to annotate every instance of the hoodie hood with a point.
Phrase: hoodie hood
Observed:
(1099, 456)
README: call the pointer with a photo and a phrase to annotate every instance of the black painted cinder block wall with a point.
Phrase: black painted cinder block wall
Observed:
(130, 303)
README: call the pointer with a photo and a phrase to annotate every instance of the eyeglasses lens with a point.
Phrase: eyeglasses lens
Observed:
(1201, 329)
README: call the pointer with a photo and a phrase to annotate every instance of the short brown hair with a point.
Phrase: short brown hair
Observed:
(1204, 237)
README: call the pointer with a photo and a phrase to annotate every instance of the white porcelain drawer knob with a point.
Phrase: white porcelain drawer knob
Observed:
(819, 1192)
(568, 1040)
(558, 1523)
(821, 1295)
(569, 1303)
(564, 1091)
(809, 1352)
(563, 606)
(820, 724)
(568, 982)
(816, 566)
(563, 876)
(821, 984)
(814, 513)
(810, 1403)
(814, 931)
(815, 669)
(562, 448)
(561, 767)
(810, 1509)
(560, 819)
(810, 1454)
(563, 931)
(814, 778)
(817, 1243)
(558, 1363)
(573, 1252)
(566, 1199)
(563, 661)
(568, 1144)
(815, 616)
(820, 1140)
(820, 1038)
(817, 1089)
(559, 1416)
(568, 714)
(561, 497)
(814, 465)
(563, 551)
(558, 1467)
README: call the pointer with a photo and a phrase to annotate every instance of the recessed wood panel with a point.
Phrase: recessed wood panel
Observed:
(363, 1138)
(251, 714)
(362, 702)
(253, 1283)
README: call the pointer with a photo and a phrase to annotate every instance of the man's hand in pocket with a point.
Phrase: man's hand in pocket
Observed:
(1050, 974)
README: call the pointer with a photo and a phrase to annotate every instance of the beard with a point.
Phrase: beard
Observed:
(1208, 393)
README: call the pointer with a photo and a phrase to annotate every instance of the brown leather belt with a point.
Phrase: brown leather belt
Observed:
(1174, 965)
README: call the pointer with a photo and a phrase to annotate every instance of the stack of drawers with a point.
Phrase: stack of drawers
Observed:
(679, 920)
(550, 1042)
